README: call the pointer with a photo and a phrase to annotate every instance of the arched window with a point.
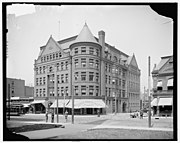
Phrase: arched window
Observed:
(115, 59)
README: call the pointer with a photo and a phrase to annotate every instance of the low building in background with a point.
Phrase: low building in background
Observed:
(163, 75)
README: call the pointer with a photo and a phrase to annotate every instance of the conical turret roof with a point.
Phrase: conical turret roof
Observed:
(85, 35)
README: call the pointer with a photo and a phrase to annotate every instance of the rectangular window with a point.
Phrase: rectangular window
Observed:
(58, 91)
(83, 76)
(47, 58)
(109, 68)
(58, 81)
(40, 92)
(62, 78)
(113, 81)
(91, 90)
(66, 65)
(91, 50)
(76, 51)
(83, 90)
(62, 91)
(76, 62)
(97, 77)
(83, 50)
(60, 55)
(50, 69)
(106, 67)
(50, 57)
(44, 80)
(119, 82)
(36, 81)
(106, 92)
(106, 81)
(66, 78)
(53, 56)
(123, 93)
(97, 52)
(44, 69)
(109, 92)
(123, 83)
(44, 92)
(83, 62)
(91, 76)
(44, 58)
(76, 76)
(91, 62)
(123, 73)
(36, 92)
(56, 55)
(76, 91)
(97, 64)
(109, 79)
(97, 90)
(67, 91)
(62, 65)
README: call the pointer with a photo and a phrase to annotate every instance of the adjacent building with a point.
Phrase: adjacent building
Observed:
(98, 75)
(162, 75)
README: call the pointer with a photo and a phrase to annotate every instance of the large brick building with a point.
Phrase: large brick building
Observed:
(97, 74)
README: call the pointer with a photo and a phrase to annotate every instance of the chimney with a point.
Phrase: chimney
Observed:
(102, 41)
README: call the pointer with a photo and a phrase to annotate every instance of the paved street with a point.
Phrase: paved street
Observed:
(91, 122)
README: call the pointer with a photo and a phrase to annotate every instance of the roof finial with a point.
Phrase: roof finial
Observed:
(85, 23)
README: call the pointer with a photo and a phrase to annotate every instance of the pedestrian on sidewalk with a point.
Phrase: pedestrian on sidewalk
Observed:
(66, 115)
(52, 116)
(46, 115)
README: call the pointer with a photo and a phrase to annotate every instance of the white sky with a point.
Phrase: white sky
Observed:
(131, 29)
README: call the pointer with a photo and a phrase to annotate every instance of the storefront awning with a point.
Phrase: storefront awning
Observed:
(87, 103)
(26, 105)
(159, 84)
(154, 102)
(170, 82)
(165, 102)
(38, 101)
(61, 103)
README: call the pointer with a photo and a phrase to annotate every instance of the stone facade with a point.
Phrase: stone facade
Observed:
(88, 68)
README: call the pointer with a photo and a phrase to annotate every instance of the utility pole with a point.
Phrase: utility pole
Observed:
(149, 87)
(9, 99)
(72, 91)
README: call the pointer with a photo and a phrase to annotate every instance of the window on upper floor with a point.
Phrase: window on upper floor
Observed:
(91, 50)
(97, 52)
(83, 90)
(76, 51)
(56, 55)
(76, 62)
(83, 76)
(44, 68)
(60, 55)
(76, 91)
(76, 76)
(83, 62)
(91, 90)
(66, 65)
(62, 78)
(62, 65)
(66, 78)
(91, 76)
(97, 77)
(97, 90)
(83, 50)
(91, 62)
(97, 64)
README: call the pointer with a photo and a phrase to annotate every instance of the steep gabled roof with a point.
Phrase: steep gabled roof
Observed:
(85, 36)
(132, 61)
(162, 63)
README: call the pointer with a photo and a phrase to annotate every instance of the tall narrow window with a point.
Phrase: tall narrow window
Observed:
(83, 90)
(76, 51)
(83, 62)
(97, 52)
(76, 76)
(58, 91)
(44, 80)
(106, 67)
(62, 65)
(66, 78)
(44, 58)
(97, 90)
(44, 68)
(40, 92)
(76, 62)
(97, 64)
(67, 91)
(57, 66)
(36, 81)
(109, 68)
(109, 79)
(91, 62)
(53, 56)
(62, 91)
(91, 90)
(91, 50)
(106, 81)
(58, 81)
(60, 55)
(106, 92)
(40, 70)
(97, 77)
(91, 76)
(44, 92)
(56, 55)
(83, 76)
(62, 78)
(76, 91)
(66, 65)
(83, 50)
(36, 92)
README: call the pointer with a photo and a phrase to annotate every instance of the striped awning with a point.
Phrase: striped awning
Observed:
(87, 103)
(159, 84)
(170, 82)
(165, 102)
(61, 103)
(154, 102)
